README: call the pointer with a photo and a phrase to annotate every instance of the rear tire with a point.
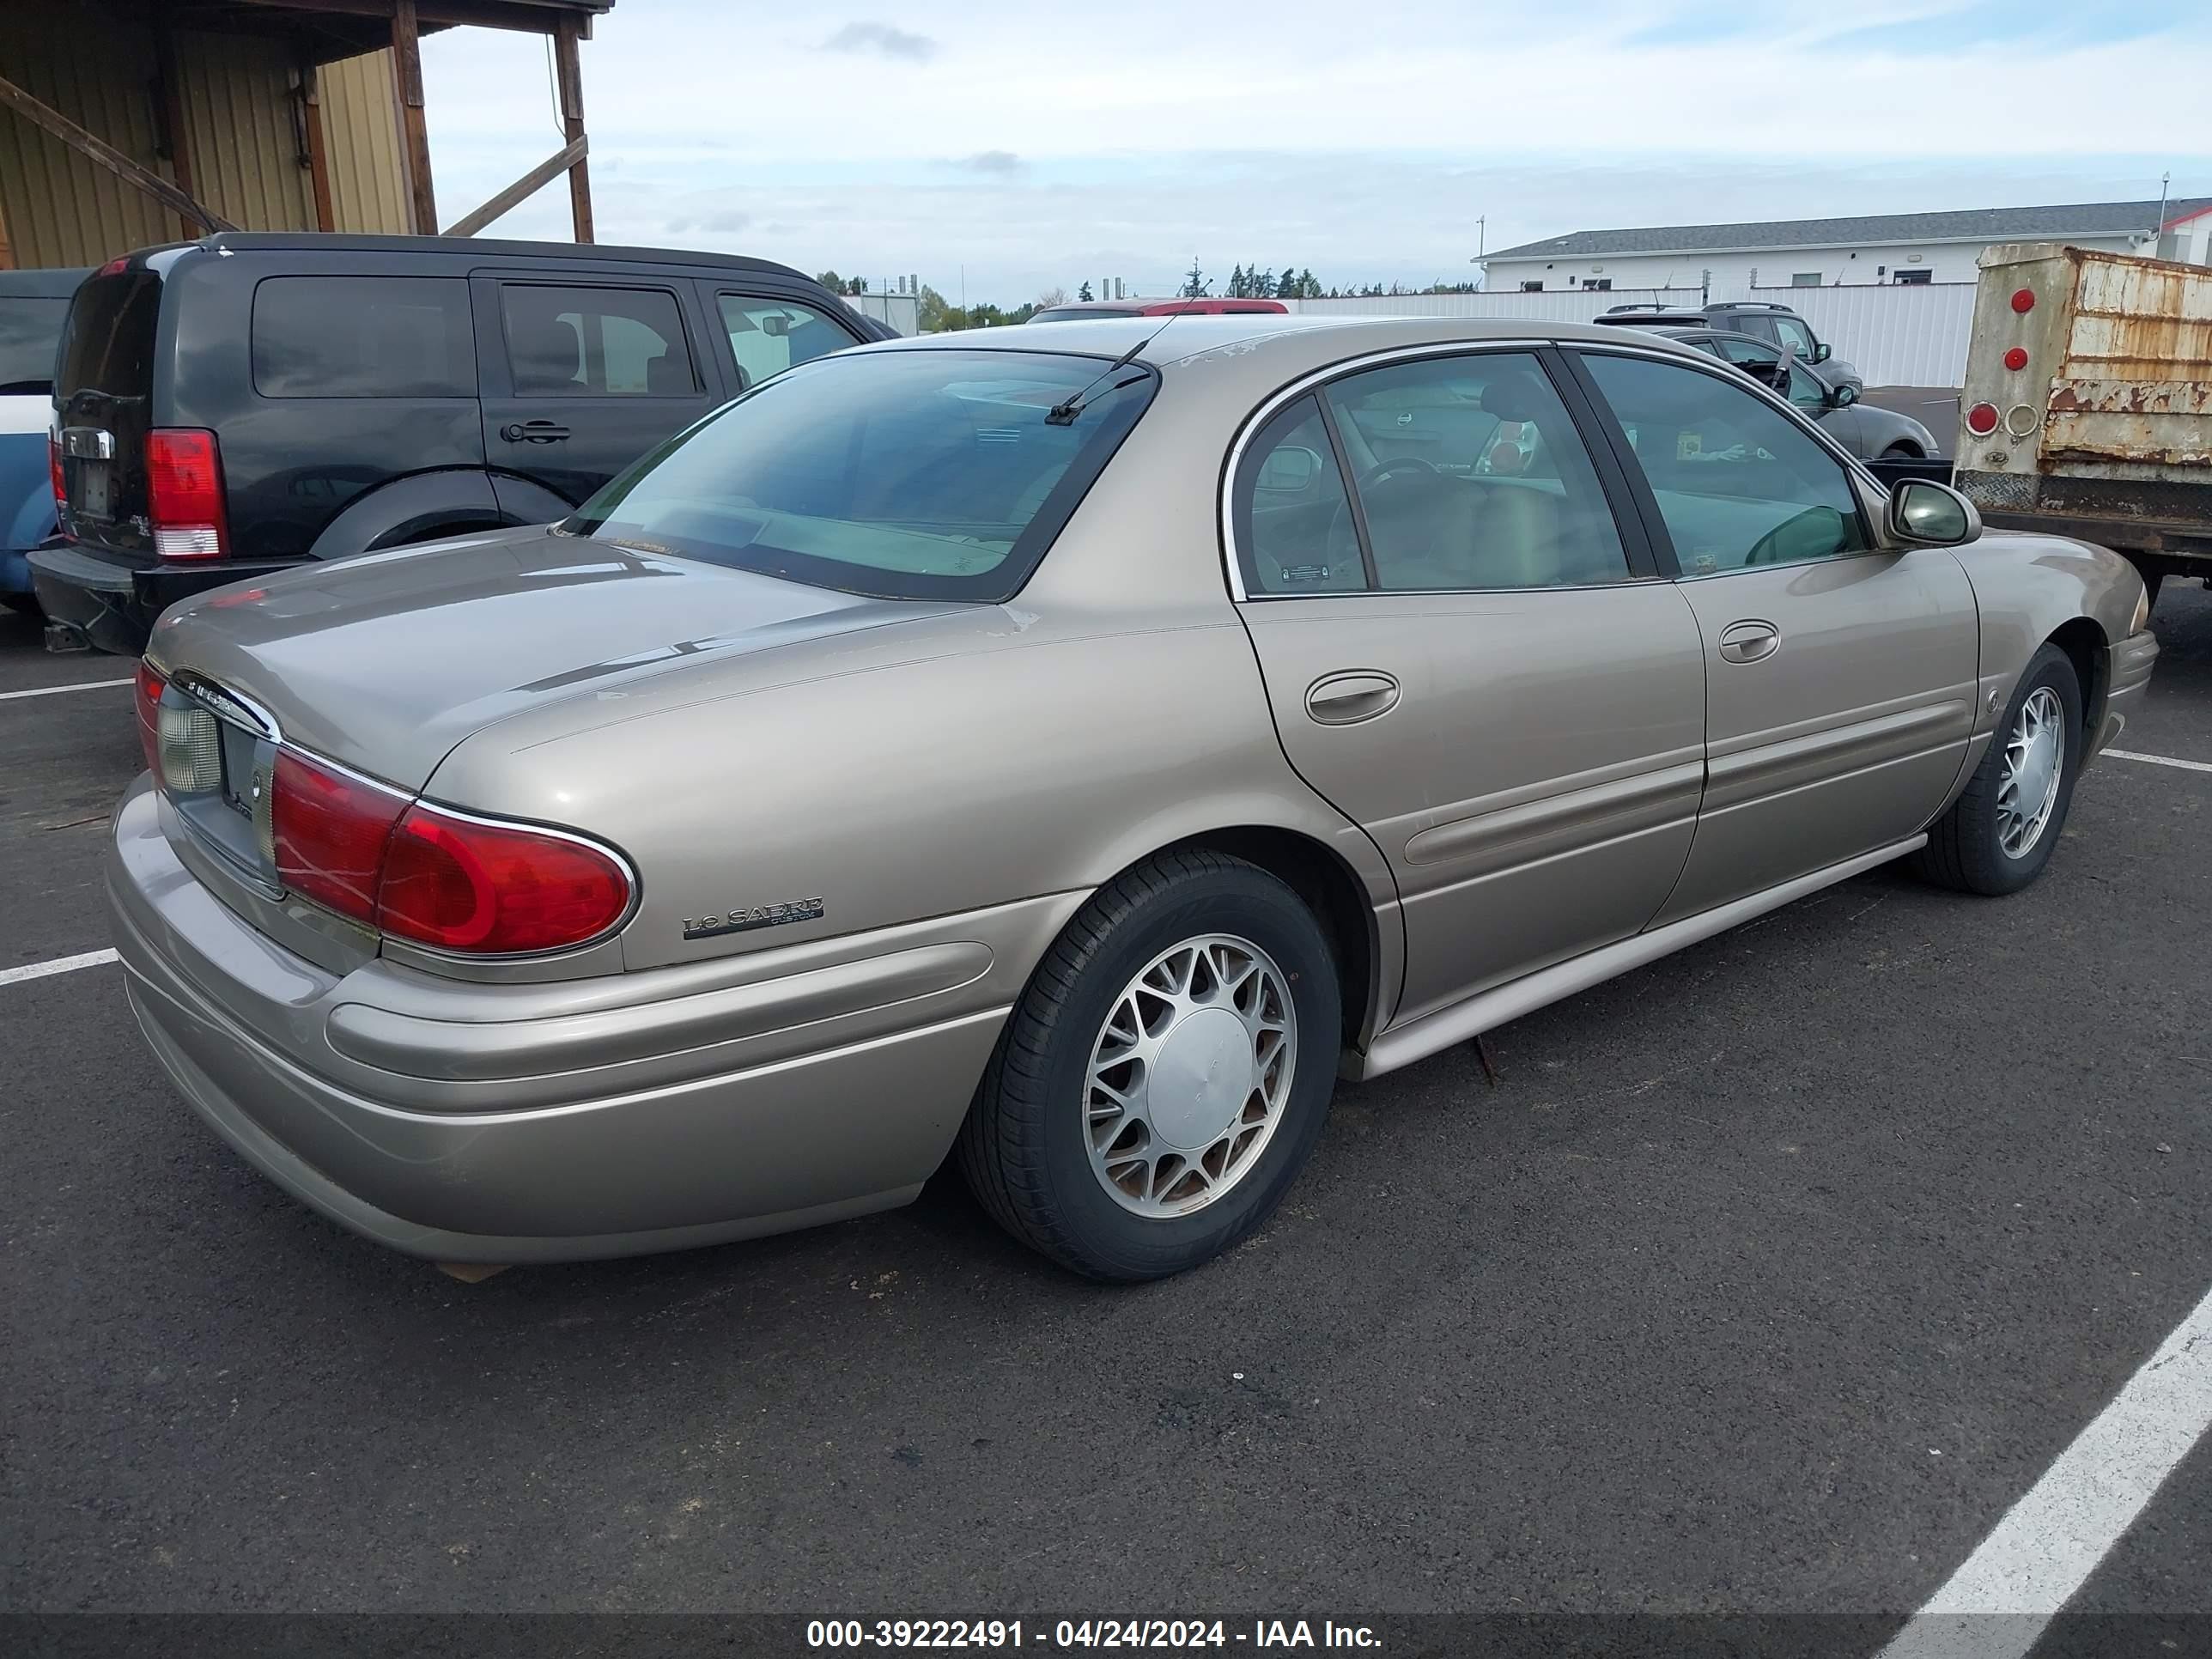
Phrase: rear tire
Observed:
(1902, 452)
(1986, 842)
(1153, 965)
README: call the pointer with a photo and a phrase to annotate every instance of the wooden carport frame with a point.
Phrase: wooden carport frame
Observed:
(325, 29)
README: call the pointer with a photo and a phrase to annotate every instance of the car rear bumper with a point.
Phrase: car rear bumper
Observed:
(111, 599)
(628, 1112)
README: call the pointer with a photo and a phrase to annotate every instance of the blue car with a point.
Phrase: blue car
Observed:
(33, 307)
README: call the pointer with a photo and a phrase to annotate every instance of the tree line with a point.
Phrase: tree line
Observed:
(938, 315)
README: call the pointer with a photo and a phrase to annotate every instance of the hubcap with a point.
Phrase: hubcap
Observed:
(1190, 1075)
(2034, 762)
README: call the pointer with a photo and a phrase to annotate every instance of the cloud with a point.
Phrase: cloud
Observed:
(999, 162)
(884, 41)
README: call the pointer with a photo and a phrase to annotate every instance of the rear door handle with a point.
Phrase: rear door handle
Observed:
(1749, 641)
(533, 432)
(1347, 698)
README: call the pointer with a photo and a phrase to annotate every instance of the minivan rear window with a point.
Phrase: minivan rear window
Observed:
(108, 344)
(30, 330)
(363, 337)
(912, 474)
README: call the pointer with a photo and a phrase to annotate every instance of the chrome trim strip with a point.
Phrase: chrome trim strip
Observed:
(1463, 1021)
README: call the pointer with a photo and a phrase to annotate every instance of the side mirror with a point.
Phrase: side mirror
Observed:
(1843, 395)
(1822, 352)
(1927, 514)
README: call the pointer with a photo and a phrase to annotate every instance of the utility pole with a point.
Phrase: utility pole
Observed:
(2158, 231)
(1482, 244)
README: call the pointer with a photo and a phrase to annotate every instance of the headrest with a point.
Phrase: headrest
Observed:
(1515, 396)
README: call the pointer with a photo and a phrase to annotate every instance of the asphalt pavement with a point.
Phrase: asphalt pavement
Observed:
(1765, 1280)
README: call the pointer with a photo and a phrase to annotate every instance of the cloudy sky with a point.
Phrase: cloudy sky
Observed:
(1034, 145)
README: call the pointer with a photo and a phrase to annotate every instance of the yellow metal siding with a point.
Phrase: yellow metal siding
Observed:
(245, 152)
(360, 128)
(62, 210)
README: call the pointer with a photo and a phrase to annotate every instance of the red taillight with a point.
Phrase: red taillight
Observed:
(183, 492)
(147, 699)
(54, 470)
(434, 877)
(1982, 420)
(2017, 359)
(2023, 300)
(457, 883)
(329, 831)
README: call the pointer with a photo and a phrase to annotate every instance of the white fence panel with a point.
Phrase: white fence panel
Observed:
(1892, 334)
(902, 311)
(1567, 305)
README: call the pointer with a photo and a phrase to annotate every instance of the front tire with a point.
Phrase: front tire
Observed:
(1166, 1073)
(2001, 831)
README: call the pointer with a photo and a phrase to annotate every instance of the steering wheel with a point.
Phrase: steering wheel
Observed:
(1340, 543)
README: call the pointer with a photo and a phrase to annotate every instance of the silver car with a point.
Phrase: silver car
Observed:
(1072, 749)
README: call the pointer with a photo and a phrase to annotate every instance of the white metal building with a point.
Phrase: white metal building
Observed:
(1729, 261)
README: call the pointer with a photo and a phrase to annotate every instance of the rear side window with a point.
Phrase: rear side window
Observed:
(30, 331)
(596, 342)
(108, 345)
(363, 337)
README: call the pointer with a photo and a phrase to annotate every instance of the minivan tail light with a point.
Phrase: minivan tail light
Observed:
(54, 470)
(327, 833)
(146, 696)
(183, 492)
(462, 883)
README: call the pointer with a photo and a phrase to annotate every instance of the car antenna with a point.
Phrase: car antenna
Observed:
(1064, 412)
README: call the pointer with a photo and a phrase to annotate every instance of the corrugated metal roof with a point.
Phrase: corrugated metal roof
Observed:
(1971, 225)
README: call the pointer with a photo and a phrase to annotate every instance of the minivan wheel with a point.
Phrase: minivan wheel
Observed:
(2004, 827)
(1165, 1074)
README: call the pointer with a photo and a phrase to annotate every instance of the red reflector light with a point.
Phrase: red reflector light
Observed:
(1982, 420)
(2017, 359)
(146, 698)
(457, 883)
(54, 470)
(2023, 300)
(329, 832)
(114, 267)
(183, 492)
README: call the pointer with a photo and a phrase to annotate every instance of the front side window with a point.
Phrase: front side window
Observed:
(596, 342)
(363, 337)
(1738, 482)
(1763, 364)
(935, 475)
(769, 335)
(1795, 335)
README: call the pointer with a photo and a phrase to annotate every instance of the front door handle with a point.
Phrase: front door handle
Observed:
(1749, 641)
(1347, 698)
(533, 432)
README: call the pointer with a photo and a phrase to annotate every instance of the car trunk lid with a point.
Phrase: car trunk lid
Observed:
(385, 661)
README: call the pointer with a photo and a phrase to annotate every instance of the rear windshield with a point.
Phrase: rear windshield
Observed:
(30, 330)
(109, 346)
(904, 474)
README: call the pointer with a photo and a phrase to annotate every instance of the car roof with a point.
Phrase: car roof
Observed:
(480, 247)
(58, 283)
(1186, 337)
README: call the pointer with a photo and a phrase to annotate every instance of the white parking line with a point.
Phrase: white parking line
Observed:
(1996, 1606)
(56, 691)
(2160, 760)
(58, 965)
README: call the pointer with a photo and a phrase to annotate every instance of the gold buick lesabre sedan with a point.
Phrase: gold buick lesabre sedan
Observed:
(1071, 749)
